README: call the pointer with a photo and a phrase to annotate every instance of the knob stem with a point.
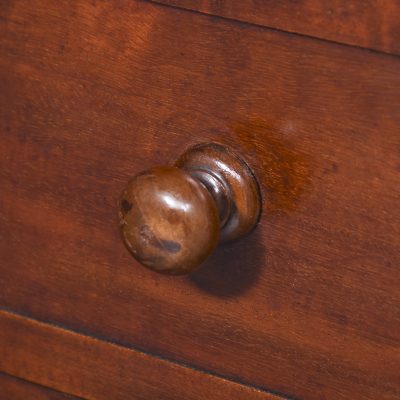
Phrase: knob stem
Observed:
(218, 189)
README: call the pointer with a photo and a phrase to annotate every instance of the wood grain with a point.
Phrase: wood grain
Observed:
(373, 24)
(94, 92)
(97, 370)
(12, 388)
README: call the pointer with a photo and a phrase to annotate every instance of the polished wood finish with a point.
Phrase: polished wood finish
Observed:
(308, 303)
(12, 388)
(170, 218)
(373, 24)
(97, 370)
(232, 184)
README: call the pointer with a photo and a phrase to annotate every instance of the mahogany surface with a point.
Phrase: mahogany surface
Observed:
(92, 92)
(373, 24)
(12, 388)
(96, 370)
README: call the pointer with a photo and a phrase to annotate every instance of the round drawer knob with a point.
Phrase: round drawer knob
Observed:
(172, 218)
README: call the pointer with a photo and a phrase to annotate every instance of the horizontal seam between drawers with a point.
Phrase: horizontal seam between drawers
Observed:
(261, 26)
(233, 379)
(72, 396)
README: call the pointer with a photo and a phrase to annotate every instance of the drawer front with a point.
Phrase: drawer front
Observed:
(92, 93)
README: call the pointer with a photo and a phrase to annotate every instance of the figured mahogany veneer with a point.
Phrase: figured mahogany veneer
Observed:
(307, 304)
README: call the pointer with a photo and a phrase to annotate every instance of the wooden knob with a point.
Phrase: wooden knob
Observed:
(172, 218)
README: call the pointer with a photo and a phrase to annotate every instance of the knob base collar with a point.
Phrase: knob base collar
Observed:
(231, 183)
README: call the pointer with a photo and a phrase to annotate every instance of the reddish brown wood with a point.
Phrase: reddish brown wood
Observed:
(168, 238)
(308, 304)
(231, 183)
(97, 370)
(12, 388)
(172, 218)
(373, 24)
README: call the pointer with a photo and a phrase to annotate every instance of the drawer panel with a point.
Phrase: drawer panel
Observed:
(12, 388)
(308, 304)
(96, 370)
(370, 24)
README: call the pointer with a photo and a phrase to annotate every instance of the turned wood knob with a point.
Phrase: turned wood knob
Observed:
(172, 218)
